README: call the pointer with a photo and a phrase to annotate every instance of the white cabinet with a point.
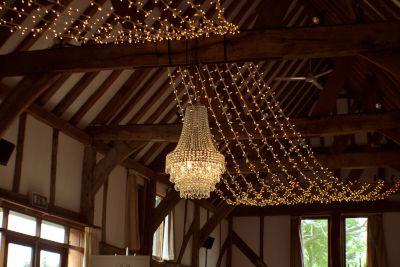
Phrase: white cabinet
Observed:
(119, 261)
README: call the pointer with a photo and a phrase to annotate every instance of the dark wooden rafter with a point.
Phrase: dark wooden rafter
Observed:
(247, 251)
(312, 126)
(21, 97)
(87, 195)
(53, 169)
(316, 42)
(115, 156)
(117, 101)
(164, 208)
(79, 135)
(185, 242)
(74, 93)
(19, 152)
(77, 117)
(223, 211)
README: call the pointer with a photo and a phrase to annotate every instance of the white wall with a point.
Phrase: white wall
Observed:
(277, 239)
(36, 164)
(219, 235)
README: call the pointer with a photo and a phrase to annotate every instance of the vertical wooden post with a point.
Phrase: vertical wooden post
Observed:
(229, 249)
(87, 194)
(19, 153)
(149, 213)
(335, 241)
(53, 170)
(195, 238)
(104, 214)
(262, 238)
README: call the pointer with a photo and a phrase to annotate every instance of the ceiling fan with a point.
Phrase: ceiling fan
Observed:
(310, 78)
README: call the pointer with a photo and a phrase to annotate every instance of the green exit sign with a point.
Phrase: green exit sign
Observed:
(39, 200)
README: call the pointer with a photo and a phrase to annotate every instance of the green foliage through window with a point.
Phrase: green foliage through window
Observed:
(314, 234)
(356, 242)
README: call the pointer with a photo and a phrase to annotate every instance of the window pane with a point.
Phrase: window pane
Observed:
(75, 258)
(19, 256)
(76, 237)
(52, 231)
(49, 259)
(356, 241)
(1, 217)
(315, 242)
(21, 223)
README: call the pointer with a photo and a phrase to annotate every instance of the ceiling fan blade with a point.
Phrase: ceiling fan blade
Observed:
(290, 78)
(317, 84)
(323, 73)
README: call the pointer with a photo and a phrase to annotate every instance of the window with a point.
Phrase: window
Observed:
(316, 238)
(21, 223)
(315, 242)
(163, 238)
(356, 242)
(31, 241)
(19, 255)
(52, 231)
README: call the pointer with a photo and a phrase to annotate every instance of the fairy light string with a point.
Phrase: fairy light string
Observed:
(277, 136)
(106, 26)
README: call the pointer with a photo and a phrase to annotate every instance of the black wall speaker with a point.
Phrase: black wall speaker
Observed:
(6, 149)
(208, 243)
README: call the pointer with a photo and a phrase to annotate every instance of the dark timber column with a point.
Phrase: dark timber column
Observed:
(335, 241)
(149, 213)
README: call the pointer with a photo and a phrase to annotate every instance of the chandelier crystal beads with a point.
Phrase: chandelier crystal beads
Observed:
(195, 165)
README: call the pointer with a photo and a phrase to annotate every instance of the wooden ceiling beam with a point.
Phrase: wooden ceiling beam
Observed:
(319, 209)
(359, 160)
(115, 156)
(388, 61)
(19, 99)
(252, 45)
(223, 211)
(318, 126)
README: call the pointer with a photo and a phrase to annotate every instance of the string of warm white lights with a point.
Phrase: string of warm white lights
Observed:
(249, 107)
(141, 25)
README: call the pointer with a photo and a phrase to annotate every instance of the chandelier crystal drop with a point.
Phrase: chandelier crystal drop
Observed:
(195, 166)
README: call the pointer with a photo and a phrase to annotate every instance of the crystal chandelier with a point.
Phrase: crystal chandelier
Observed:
(195, 166)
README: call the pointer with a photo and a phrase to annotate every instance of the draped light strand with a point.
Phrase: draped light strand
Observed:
(246, 83)
(111, 27)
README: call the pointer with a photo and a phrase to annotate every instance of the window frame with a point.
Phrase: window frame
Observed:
(336, 234)
(36, 242)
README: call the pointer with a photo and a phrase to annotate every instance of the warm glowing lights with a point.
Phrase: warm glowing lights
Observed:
(195, 165)
(145, 24)
(240, 95)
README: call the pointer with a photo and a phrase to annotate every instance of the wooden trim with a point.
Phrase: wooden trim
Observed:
(230, 243)
(261, 238)
(251, 45)
(19, 152)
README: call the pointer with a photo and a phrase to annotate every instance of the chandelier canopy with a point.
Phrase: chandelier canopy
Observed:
(195, 166)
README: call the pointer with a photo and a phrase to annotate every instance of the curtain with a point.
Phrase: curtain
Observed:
(376, 246)
(171, 234)
(296, 253)
(91, 244)
(132, 236)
